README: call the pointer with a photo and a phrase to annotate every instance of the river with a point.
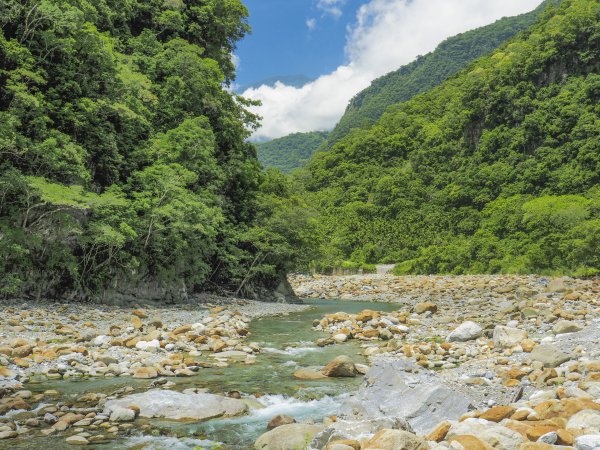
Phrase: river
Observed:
(287, 344)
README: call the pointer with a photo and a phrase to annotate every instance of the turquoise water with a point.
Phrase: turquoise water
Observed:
(287, 344)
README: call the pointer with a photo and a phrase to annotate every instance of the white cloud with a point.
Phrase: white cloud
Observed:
(386, 35)
(311, 23)
(333, 7)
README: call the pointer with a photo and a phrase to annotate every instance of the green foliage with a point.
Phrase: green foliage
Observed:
(495, 170)
(123, 159)
(428, 71)
(290, 152)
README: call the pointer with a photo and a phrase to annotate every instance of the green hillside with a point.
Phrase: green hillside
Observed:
(429, 71)
(123, 164)
(496, 170)
(290, 152)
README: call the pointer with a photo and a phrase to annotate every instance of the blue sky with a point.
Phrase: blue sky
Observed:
(282, 43)
(343, 45)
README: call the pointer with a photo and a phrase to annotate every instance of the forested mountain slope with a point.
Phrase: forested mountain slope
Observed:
(496, 170)
(123, 166)
(429, 71)
(290, 152)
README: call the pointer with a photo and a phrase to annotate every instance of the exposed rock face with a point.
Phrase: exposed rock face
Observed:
(466, 331)
(287, 437)
(401, 391)
(177, 406)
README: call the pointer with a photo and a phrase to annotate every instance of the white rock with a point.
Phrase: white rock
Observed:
(177, 406)
(102, 340)
(507, 337)
(467, 331)
(146, 345)
(341, 337)
(586, 419)
(121, 414)
(588, 442)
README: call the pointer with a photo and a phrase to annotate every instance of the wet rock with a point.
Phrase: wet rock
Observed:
(466, 331)
(342, 366)
(177, 406)
(309, 373)
(9, 434)
(287, 437)
(76, 440)
(280, 420)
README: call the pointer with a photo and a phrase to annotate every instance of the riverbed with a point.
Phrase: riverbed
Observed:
(287, 343)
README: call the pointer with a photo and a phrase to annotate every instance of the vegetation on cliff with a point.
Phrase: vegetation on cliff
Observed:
(290, 152)
(123, 155)
(496, 170)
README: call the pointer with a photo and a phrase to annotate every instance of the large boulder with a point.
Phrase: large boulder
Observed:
(489, 432)
(549, 355)
(399, 389)
(507, 337)
(178, 406)
(288, 437)
(280, 420)
(395, 440)
(566, 326)
(309, 374)
(466, 331)
(342, 366)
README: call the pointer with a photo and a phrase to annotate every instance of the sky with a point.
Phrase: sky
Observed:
(343, 45)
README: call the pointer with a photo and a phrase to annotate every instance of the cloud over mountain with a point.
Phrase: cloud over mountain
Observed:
(385, 35)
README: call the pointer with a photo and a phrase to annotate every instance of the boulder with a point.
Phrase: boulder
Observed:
(399, 389)
(588, 442)
(423, 307)
(145, 372)
(490, 433)
(342, 366)
(177, 406)
(287, 437)
(280, 420)
(585, 419)
(76, 440)
(566, 326)
(122, 414)
(507, 337)
(549, 355)
(309, 374)
(395, 440)
(466, 331)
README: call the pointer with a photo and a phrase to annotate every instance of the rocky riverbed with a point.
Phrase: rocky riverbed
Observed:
(471, 362)
(481, 362)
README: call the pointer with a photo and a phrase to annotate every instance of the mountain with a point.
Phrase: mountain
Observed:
(124, 170)
(290, 152)
(289, 80)
(429, 71)
(495, 170)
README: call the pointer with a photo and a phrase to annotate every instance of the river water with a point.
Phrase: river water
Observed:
(287, 344)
